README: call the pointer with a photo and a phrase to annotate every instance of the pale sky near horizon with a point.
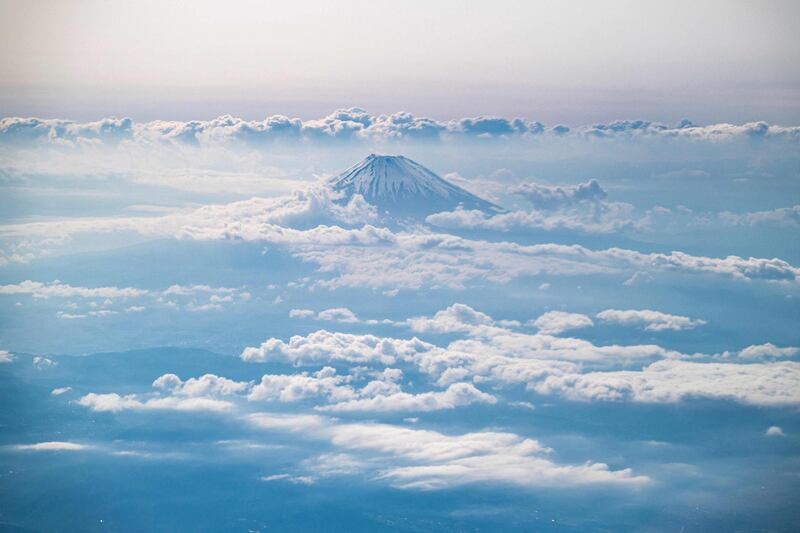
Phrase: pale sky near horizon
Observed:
(571, 62)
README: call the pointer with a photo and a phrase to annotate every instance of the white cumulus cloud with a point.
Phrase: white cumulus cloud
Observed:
(670, 381)
(648, 319)
(456, 395)
(555, 322)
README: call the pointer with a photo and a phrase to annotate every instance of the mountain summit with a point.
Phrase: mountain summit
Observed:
(402, 187)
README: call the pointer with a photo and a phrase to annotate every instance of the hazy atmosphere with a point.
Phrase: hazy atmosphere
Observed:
(572, 62)
(373, 266)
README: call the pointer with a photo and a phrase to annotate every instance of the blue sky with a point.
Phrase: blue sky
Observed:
(200, 332)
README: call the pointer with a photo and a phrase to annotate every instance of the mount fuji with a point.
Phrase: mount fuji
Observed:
(402, 188)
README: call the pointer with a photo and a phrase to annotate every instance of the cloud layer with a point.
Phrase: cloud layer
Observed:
(357, 124)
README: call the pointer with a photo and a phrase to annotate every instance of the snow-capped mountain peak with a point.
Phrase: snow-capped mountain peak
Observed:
(400, 186)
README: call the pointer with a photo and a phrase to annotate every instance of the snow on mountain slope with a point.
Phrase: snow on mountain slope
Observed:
(401, 187)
